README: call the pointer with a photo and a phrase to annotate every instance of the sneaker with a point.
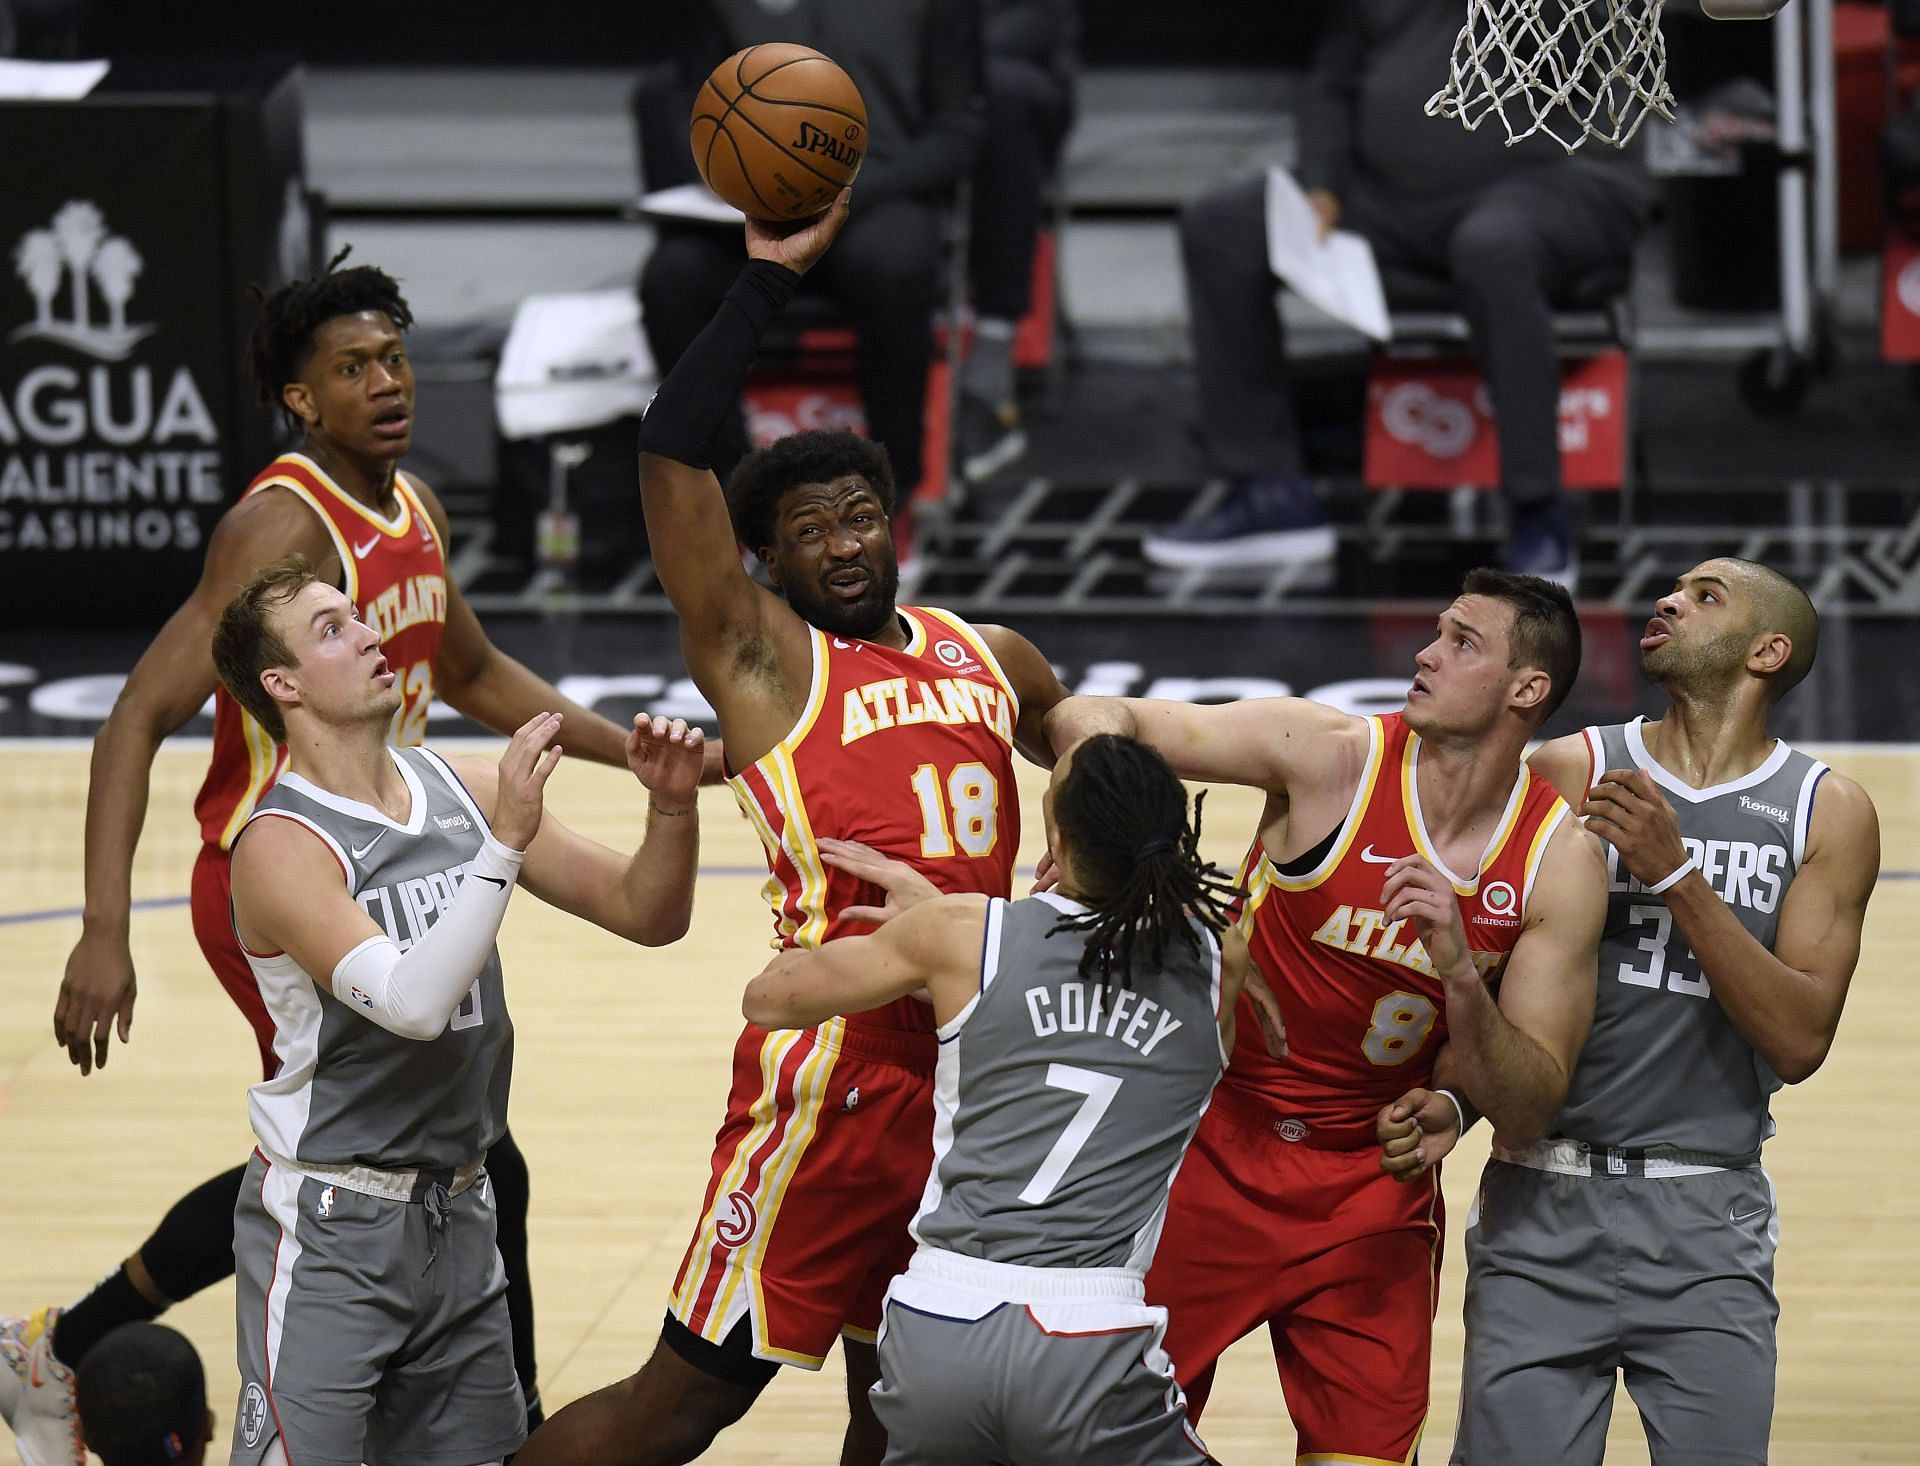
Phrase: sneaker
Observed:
(1262, 522)
(1542, 544)
(991, 438)
(36, 1393)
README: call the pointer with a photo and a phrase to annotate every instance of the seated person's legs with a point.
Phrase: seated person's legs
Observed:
(884, 270)
(1523, 244)
(1245, 397)
(1028, 109)
(681, 285)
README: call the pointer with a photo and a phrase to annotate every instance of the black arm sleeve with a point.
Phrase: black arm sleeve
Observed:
(692, 406)
(1327, 107)
(952, 64)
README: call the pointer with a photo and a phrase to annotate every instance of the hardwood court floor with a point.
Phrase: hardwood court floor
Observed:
(622, 1068)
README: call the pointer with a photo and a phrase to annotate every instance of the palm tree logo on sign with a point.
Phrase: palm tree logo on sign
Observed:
(77, 252)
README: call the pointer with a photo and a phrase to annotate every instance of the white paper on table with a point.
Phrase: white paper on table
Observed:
(49, 81)
(694, 201)
(1337, 275)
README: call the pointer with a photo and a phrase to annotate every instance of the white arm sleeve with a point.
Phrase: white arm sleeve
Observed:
(416, 995)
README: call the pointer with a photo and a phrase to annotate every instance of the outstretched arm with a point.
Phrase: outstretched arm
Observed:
(935, 945)
(647, 897)
(171, 682)
(1259, 742)
(1035, 684)
(1785, 1002)
(730, 627)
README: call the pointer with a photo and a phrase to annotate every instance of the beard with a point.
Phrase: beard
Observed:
(1695, 667)
(860, 619)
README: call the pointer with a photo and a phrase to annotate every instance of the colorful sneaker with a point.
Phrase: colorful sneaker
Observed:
(36, 1393)
(991, 439)
(1543, 544)
(1262, 522)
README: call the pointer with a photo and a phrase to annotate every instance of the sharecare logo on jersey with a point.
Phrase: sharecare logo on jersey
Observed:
(1771, 811)
(1499, 899)
(899, 702)
(737, 1219)
(1290, 1129)
(955, 656)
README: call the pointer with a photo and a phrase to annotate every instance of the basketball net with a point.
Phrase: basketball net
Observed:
(1572, 69)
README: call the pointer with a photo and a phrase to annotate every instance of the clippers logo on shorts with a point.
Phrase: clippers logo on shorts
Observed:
(736, 1224)
(253, 1414)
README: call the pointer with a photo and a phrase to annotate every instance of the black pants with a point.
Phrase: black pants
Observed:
(1510, 251)
(884, 274)
(1028, 111)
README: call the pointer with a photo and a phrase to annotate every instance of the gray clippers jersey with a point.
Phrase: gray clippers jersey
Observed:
(1062, 1108)
(1664, 1065)
(349, 1093)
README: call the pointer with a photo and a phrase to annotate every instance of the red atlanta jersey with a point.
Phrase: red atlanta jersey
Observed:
(1365, 1012)
(395, 572)
(910, 751)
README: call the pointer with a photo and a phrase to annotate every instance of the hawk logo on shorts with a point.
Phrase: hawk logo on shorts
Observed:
(1290, 1129)
(737, 1219)
(253, 1414)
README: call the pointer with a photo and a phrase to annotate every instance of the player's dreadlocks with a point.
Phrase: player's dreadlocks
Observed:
(1124, 815)
(282, 341)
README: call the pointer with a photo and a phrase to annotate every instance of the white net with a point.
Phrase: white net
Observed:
(1572, 69)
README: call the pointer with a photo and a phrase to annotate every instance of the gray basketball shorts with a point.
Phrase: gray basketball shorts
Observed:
(1665, 1280)
(371, 1330)
(1069, 1371)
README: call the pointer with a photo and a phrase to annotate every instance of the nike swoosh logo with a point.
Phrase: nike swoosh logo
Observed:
(490, 880)
(1744, 1216)
(361, 850)
(1372, 859)
(360, 552)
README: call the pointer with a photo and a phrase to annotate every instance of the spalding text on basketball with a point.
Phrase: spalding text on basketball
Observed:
(816, 140)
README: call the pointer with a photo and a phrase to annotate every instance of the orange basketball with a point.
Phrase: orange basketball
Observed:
(778, 131)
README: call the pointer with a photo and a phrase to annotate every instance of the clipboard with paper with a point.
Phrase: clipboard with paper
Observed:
(1336, 275)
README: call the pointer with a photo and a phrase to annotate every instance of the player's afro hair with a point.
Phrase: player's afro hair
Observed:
(282, 341)
(765, 477)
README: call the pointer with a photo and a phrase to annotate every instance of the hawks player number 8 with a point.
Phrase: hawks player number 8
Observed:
(1400, 1022)
(973, 795)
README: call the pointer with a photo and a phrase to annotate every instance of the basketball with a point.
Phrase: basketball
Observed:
(778, 130)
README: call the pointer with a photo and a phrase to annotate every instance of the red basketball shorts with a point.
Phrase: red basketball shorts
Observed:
(1338, 1260)
(212, 896)
(818, 1168)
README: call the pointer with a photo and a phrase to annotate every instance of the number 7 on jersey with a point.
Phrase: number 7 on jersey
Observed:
(1099, 1089)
